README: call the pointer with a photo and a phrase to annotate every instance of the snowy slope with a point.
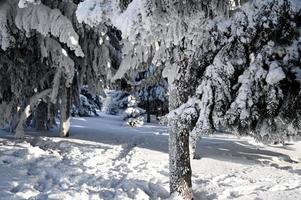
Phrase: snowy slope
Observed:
(104, 159)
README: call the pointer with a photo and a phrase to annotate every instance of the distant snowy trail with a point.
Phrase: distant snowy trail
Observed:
(105, 160)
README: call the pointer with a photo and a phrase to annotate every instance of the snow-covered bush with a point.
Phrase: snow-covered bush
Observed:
(133, 115)
(135, 122)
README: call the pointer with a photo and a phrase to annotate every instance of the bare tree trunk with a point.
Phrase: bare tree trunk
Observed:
(179, 158)
(65, 112)
(34, 102)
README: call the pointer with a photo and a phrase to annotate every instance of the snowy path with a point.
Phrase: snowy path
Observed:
(105, 160)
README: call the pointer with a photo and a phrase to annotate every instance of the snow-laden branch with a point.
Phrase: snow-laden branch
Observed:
(48, 21)
(50, 48)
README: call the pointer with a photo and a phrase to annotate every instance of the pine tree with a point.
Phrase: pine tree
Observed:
(253, 81)
(238, 73)
(152, 90)
(160, 28)
(230, 67)
(44, 47)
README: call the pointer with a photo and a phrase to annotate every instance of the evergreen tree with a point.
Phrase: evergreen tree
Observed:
(229, 66)
(164, 31)
(152, 90)
(46, 54)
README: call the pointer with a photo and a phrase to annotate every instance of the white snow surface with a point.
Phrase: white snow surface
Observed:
(103, 159)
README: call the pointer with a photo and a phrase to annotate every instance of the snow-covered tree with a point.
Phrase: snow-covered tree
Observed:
(152, 90)
(119, 102)
(46, 54)
(230, 65)
(252, 85)
(165, 31)
(242, 72)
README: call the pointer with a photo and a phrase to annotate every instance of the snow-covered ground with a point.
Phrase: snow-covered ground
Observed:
(103, 159)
